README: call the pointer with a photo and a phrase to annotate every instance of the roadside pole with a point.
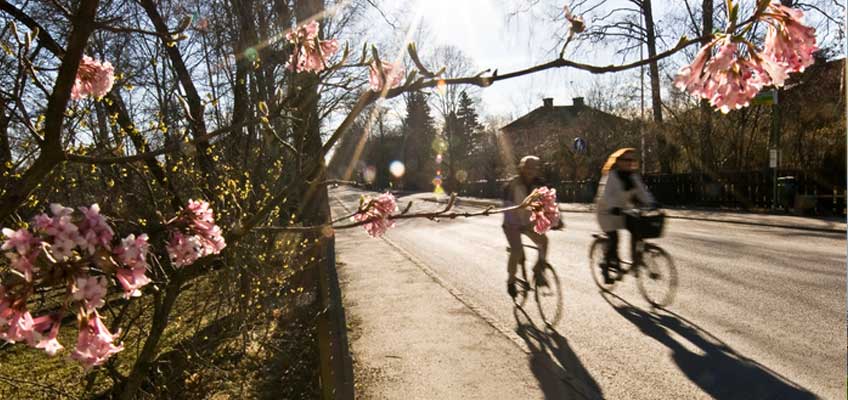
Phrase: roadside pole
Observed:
(775, 140)
(642, 97)
(770, 98)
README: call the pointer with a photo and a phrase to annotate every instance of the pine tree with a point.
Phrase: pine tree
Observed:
(468, 119)
(419, 134)
(463, 131)
(456, 148)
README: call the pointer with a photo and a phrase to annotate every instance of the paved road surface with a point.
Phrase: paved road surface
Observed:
(760, 312)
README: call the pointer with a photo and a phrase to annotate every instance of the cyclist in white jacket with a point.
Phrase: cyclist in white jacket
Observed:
(620, 187)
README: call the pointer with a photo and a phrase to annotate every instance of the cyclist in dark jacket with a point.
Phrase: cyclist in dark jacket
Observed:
(517, 222)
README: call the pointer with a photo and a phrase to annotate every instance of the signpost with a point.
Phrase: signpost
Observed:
(769, 98)
(580, 145)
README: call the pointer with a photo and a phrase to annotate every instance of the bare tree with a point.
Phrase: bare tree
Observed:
(634, 26)
(446, 99)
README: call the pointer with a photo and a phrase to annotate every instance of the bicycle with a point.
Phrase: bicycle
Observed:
(654, 269)
(548, 298)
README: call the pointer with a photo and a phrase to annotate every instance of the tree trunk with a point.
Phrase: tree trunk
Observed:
(240, 85)
(161, 312)
(706, 159)
(5, 149)
(651, 41)
(306, 124)
(195, 104)
(314, 200)
(51, 149)
(656, 99)
(450, 180)
(383, 173)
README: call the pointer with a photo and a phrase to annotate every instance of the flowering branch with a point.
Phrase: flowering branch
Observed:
(369, 97)
(75, 253)
(375, 214)
(730, 79)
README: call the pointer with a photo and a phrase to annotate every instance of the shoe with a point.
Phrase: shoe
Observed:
(605, 267)
(615, 267)
(512, 289)
(539, 274)
(539, 278)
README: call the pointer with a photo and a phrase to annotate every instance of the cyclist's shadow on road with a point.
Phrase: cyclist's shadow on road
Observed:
(720, 371)
(560, 373)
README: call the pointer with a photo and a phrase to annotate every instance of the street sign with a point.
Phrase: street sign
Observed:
(773, 156)
(580, 145)
(766, 98)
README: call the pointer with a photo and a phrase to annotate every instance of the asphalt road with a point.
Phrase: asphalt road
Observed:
(760, 312)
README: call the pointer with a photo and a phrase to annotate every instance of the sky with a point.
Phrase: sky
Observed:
(481, 29)
(486, 32)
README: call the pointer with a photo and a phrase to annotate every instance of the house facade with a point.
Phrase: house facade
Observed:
(572, 140)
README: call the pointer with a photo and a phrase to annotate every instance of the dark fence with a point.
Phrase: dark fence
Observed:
(805, 192)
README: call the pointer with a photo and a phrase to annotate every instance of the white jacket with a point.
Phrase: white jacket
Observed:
(611, 194)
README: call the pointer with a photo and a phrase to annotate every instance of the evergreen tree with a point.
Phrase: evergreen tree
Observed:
(456, 148)
(469, 121)
(419, 144)
(463, 132)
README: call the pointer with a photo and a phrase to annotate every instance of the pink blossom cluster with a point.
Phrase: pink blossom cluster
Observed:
(376, 214)
(94, 229)
(200, 238)
(310, 54)
(544, 212)
(18, 325)
(90, 291)
(789, 43)
(132, 253)
(26, 248)
(730, 80)
(382, 72)
(74, 252)
(95, 344)
(93, 79)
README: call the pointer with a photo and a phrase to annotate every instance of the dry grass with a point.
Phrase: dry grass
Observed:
(218, 345)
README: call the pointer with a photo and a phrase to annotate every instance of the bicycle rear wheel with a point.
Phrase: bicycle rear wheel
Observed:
(657, 276)
(549, 298)
(596, 256)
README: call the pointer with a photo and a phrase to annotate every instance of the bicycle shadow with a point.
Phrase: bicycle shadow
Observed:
(560, 372)
(720, 371)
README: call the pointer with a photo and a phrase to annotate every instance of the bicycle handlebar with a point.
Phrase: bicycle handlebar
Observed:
(639, 212)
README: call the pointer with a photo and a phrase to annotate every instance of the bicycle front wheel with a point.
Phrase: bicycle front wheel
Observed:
(522, 287)
(657, 276)
(549, 297)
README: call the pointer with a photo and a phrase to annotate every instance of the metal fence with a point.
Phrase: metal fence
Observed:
(807, 192)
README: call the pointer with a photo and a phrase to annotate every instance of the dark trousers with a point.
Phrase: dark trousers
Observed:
(611, 252)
